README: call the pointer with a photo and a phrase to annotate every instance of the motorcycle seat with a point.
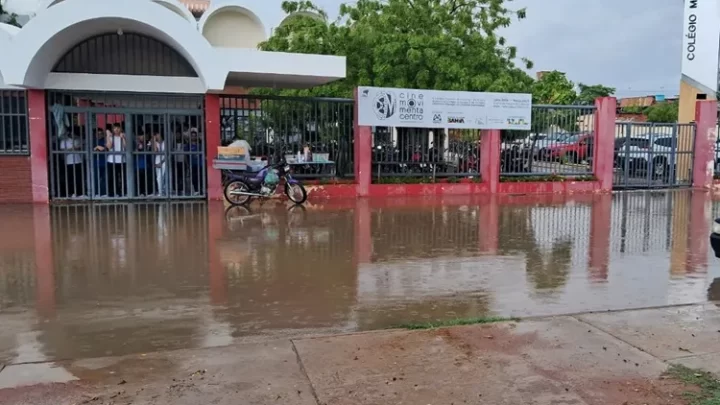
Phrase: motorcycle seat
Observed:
(255, 167)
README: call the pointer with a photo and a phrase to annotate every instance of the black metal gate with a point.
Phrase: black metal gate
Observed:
(649, 155)
(300, 126)
(126, 147)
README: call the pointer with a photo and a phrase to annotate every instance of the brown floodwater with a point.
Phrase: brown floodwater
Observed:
(90, 281)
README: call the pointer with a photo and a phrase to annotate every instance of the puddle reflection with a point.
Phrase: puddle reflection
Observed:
(90, 281)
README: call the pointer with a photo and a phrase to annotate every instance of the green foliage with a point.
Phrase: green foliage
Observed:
(707, 386)
(662, 112)
(457, 322)
(544, 178)
(8, 18)
(426, 44)
(554, 88)
(423, 180)
(588, 93)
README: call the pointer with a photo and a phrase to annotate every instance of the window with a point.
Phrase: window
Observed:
(666, 142)
(640, 143)
(13, 123)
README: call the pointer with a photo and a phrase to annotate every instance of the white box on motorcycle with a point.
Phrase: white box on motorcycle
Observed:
(238, 150)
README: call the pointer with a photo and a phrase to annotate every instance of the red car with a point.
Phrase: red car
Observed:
(573, 149)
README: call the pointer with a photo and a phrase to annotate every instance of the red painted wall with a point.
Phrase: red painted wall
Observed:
(37, 126)
(212, 141)
(15, 179)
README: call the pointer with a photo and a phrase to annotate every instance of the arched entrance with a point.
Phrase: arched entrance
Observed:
(125, 146)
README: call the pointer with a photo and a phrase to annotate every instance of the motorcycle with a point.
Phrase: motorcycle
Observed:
(262, 182)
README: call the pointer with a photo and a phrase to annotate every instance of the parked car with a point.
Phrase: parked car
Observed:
(572, 149)
(543, 142)
(645, 153)
(715, 237)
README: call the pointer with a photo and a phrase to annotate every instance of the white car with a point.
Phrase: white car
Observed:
(644, 153)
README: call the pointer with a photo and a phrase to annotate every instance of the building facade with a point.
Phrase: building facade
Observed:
(121, 100)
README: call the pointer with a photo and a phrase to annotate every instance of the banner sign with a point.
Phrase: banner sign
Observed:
(389, 107)
(701, 42)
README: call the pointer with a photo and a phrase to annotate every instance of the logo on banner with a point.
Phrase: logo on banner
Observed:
(516, 121)
(456, 120)
(437, 118)
(385, 104)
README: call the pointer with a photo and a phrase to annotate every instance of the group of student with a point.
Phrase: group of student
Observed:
(151, 157)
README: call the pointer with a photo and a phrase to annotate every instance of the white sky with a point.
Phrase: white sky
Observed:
(633, 45)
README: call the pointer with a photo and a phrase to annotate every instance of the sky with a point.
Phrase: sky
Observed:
(632, 45)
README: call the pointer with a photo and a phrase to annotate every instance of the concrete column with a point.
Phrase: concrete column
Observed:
(698, 243)
(604, 147)
(218, 277)
(363, 233)
(44, 262)
(363, 154)
(705, 139)
(37, 128)
(212, 141)
(600, 224)
(490, 158)
(489, 226)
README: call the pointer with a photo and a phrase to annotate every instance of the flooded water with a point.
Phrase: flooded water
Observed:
(90, 281)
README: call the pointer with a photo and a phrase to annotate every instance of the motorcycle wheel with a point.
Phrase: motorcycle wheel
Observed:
(293, 196)
(236, 199)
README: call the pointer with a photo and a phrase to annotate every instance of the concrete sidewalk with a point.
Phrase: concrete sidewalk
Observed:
(607, 358)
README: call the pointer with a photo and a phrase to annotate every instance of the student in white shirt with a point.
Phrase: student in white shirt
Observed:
(160, 163)
(74, 172)
(116, 144)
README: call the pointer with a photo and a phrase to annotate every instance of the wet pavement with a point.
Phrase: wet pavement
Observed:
(79, 282)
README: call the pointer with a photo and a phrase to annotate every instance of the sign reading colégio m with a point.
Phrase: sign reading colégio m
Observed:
(389, 107)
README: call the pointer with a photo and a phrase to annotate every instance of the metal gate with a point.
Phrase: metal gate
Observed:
(649, 155)
(126, 147)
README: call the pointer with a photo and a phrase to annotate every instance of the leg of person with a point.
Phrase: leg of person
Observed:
(112, 178)
(123, 180)
(80, 176)
(101, 180)
(140, 182)
(72, 180)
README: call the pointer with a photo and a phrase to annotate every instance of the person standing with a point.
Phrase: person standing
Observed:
(100, 162)
(142, 169)
(194, 148)
(116, 161)
(160, 164)
(73, 166)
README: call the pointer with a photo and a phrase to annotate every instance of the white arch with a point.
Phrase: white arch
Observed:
(5, 39)
(8, 29)
(237, 6)
(179, 8)
(45, 38)
(173, 5)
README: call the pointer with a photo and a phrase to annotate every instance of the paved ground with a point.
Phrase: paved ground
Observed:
(603, 358)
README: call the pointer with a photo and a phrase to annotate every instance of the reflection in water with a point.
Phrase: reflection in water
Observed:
(88, 281)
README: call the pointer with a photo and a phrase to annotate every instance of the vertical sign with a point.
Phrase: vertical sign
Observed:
(701, 44)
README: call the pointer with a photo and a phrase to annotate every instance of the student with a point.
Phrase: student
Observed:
(160, 164)
(100, 162)
(73, 166)
(116, 161)
(195, 161)
(143, 182)
(179, 165)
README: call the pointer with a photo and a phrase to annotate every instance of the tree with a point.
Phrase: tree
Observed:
(8, 18)
(662, 112)
(425, 44)
(554, 88)
(588, 93)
